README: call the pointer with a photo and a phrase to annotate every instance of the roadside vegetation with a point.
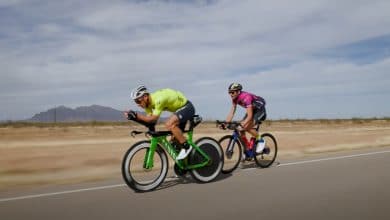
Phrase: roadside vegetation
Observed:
(21, 124)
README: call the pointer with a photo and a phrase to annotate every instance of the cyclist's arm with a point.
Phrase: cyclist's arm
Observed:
(152, 114)
(230, 116)
(148, 118)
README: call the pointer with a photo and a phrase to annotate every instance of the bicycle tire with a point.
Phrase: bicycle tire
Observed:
(209, 172)
(231, 159)
(132, 167)
(265, 160)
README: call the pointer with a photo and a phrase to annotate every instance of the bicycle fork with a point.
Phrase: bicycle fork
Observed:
(232, 141)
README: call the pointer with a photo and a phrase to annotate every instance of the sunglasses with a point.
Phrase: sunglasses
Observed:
(138, 101)
(232, 92)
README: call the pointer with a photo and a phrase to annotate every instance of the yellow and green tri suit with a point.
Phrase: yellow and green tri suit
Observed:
(172, 101)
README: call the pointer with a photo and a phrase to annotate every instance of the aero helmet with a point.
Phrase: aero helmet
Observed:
(138, 92)
(235, 87)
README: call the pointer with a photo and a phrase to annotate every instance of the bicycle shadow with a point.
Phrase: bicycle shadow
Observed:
(247, 165)
(172, 181)
(187, 179)
(252, 164)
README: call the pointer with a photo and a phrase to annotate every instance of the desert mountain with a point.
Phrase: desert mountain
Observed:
(84, 113)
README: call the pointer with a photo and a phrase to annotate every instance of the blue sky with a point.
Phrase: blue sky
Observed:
(308, 59)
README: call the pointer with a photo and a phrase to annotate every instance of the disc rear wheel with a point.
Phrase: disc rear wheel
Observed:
(210, 171)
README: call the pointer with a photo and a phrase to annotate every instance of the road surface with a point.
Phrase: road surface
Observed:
(349, 185)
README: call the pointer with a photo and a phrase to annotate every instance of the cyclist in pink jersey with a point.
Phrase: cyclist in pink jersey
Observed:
(255, 110)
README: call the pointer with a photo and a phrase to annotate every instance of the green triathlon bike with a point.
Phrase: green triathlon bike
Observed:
(233, 147)
(145, 164)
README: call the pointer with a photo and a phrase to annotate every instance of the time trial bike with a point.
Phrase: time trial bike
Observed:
(145, 164)
(233, 147)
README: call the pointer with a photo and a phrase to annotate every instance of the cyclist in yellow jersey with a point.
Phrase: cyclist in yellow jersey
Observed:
(164, 100)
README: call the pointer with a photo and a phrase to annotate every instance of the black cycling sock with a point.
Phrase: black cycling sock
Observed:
(185, 145)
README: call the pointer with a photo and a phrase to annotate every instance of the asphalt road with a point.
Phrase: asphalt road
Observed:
(352, 185)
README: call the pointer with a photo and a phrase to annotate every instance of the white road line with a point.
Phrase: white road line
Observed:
(59, 193)
(121, 185)
(334, 158)
(326, 159)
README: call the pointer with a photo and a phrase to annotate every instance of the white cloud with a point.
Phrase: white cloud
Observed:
(91, 52)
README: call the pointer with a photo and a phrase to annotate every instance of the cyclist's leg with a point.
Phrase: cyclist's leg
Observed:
(248, 154)
(249, 127)
(243, 132)
(259, 115)
(251, 130)
(177, 122)
(181, 117)
(172, 124)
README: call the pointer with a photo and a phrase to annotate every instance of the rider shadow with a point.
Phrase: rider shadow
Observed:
(187, 179)
(248, 165)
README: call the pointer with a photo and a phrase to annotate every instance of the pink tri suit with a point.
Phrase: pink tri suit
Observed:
(246, 99)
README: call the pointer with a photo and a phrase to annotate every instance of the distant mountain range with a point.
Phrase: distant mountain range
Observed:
(85, 113)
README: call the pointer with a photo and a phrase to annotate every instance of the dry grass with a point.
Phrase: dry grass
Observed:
(46, 154)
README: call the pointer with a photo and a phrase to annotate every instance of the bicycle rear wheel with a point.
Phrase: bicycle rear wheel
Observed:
(133, 172)
(232, 151)
(268, 155)
(213, 168)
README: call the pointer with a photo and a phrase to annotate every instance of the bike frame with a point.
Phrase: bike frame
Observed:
(164, 143)
(236, 136)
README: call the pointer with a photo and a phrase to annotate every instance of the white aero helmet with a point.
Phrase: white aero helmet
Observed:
(138, 92)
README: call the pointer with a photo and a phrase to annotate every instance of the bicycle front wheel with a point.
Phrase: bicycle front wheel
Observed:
(268, 155)
(232, 151)
(136, 176)
(213, 168)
